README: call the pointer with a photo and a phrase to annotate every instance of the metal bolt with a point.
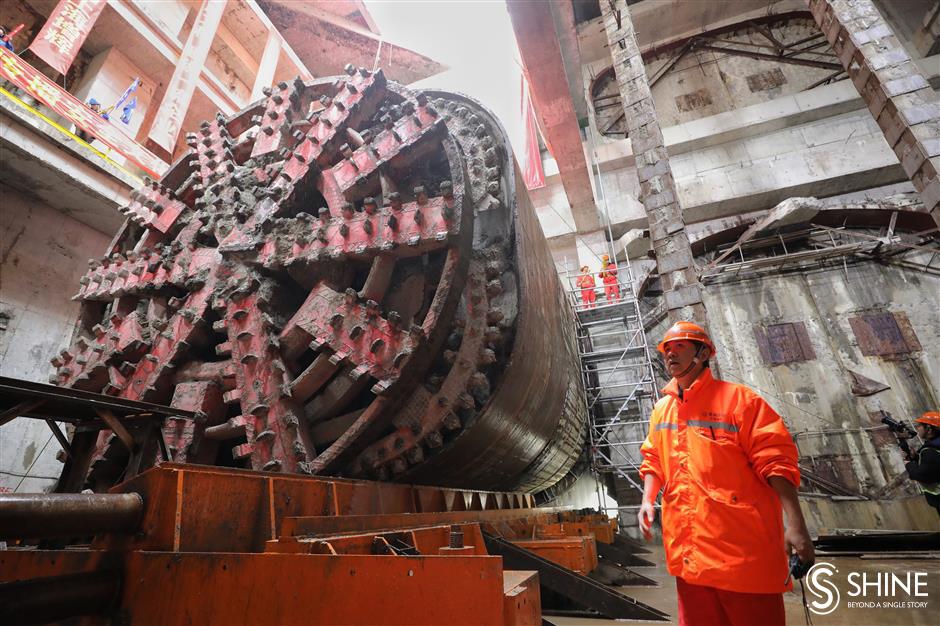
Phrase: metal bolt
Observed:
(456, 536)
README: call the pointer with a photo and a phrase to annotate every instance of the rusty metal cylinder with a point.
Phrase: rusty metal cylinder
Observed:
(47, 600)
(223, 431)
(41, 516)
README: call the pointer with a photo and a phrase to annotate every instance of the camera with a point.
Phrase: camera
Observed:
(798, 568)
(899, 427)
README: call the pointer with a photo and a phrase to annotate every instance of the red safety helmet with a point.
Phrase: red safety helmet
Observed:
(930, 418)
(688, 331)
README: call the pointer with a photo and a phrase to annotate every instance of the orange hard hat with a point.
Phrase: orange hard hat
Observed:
(605, 257)
(930, 418)
(688, 331)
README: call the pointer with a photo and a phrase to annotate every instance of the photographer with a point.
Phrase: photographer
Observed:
(924, 464)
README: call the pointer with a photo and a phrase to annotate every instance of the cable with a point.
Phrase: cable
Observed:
(806, 613)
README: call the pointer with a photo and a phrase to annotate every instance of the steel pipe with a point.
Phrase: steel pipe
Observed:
(41, 516)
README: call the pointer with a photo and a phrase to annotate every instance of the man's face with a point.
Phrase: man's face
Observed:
(921, 430)
(679, 355)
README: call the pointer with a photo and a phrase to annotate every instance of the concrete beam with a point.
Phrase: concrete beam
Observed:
(567, 32)
(658, 193)
(323, 15)
(268, 65)
(291, 54)
(169, 47)
(541, 54)
(312, 29)
(897, 94)
(179, 92)
(242, 56)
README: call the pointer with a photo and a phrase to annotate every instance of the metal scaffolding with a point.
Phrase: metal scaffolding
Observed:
(618, 380)
(815, 245)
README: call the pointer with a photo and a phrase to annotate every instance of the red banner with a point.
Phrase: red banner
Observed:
(532, 173)
(64, 32)
(36, 84)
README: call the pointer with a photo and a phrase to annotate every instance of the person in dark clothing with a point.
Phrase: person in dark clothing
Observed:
(924, 464)
(95, 106)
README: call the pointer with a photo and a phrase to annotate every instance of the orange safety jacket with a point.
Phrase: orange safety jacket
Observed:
(714, 450)
(609, 274)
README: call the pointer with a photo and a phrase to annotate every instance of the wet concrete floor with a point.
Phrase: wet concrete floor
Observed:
(892, 610)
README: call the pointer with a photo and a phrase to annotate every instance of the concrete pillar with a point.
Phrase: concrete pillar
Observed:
(897, 94)
(535, 34)
(681, 289)
(179, 92)
(268, 65)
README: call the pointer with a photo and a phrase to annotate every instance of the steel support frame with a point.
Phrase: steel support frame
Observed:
(763, 56)
(828, 244)
(626, 368)
(256, 534)
(263, 588)
(580, 589)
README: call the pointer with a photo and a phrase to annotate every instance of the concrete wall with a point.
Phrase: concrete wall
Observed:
(583, 494)
(107, 76)
(43, 253)
(836, 435)
(169, 15)
(705, 83)
(822, 142)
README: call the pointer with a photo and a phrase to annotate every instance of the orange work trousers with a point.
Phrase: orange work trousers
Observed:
(589, 298)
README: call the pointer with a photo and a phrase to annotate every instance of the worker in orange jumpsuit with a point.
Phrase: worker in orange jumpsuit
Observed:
(729, 467)
(609, 277)
(586, 282)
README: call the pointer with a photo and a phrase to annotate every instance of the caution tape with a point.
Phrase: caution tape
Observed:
(81, 142)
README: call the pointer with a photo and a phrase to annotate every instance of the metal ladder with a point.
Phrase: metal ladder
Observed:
(617, 372)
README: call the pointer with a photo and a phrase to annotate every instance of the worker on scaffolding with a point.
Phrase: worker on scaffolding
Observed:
(608, 275)
(95, 106)
(587, 284)
(924, 464)
(729, 465)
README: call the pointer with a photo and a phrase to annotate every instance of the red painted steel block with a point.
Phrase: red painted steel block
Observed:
(522, 604)
(578, 554)
(353, 332)
(233, 527)
(602, 531)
